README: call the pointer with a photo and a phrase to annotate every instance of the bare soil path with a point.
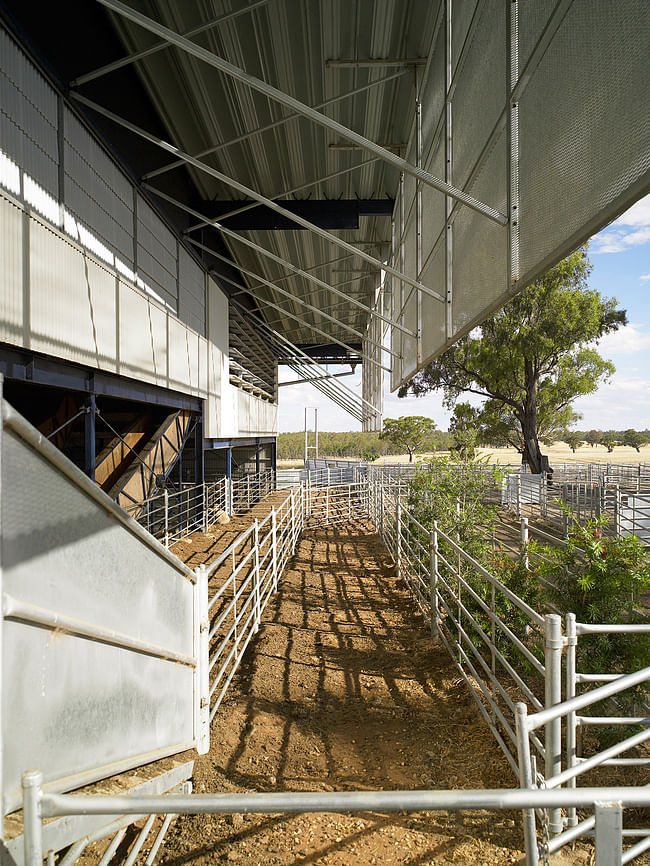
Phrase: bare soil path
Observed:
(343, 689)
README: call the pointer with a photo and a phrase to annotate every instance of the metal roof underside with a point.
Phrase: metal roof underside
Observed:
(264, 146)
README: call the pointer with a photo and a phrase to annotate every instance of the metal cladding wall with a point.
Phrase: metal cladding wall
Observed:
(90, 272)
(538, 109)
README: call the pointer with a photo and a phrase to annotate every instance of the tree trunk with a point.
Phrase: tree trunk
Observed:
(532, 454)
(410, 457)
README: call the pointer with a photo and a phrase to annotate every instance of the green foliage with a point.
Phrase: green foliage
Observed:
(593, 437)
(408, 432)
(573, 440)
(633, 439)
(531, 359)
(610, 441)
(353, 444)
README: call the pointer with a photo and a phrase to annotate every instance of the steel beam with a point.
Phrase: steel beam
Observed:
(287, 192)
(316, 379)
(252, 193)
(299, 107)
(327, 213)
(283, 262)
(371, 63)
(147, 52)
(261, 129)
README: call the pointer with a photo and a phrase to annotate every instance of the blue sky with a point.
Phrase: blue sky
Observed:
(620, 255)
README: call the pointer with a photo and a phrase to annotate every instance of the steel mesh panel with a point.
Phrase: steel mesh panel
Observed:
(481, 246)
(28, 117)
(191, 290)
(533, 15)
(433, 311)
(433, 91)
(96, 191)
(480, 93)
(433, 207)
(593, 78)
(461, 16)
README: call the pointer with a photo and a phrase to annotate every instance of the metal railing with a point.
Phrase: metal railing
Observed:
(247, 490)
(330, 505)
(171, 515)
(241, 582)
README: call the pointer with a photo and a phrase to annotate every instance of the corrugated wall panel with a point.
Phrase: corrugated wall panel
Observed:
(191, 292)
(28, 117)
(156, 253)
(11, 255)
(96, 191)
(72, 302)
(143, 338)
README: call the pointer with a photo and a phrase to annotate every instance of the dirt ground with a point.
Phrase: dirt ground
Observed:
(343, 689)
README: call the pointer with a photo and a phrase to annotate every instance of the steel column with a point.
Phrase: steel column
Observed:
(553, 646)
(90, 444)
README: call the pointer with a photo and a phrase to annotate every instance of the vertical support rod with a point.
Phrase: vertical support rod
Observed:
(32, 821)
(90, 442)
(518, 495)
(316, 430)
(257, 457)
(526, 782)
(166, 501)
(199, 473)
(513, 144)
(571, 754)
(256, 579)
(553, 645)
(433, 575)
(418, 210)
(274, 547)
(449, 202)
(229, 504)
(202, 651)
(524, 541)
(398, 534)
(609, 834)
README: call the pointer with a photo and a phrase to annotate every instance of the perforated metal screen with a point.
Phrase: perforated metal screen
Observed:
(546, 121)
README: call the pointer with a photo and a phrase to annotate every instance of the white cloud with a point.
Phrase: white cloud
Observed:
(644, 277)
(624, 402)
(626, 341)
(631, 229)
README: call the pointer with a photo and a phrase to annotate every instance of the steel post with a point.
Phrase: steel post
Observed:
(256, 578)
(274, 547)
(398, 535)
(526, 782)
(609, 834)
(166, 504)
(571, 754)
(524, 540)
(32, 821)
(433, 577)
(553, 645)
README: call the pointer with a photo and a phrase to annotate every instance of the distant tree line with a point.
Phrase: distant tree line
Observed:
(369, 446)
(366, 446)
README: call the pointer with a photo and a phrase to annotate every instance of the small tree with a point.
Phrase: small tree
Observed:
(610, 441)
(633, 439)
(408, 432)
(593, 437)
(573, 440)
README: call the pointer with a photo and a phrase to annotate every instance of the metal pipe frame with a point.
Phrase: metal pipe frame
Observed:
(268, 254)
(313, 115)
(213, 172)
(147, 52)
(304, 365)
(261, 129)
(308, 325)
(371, 64)
(273, 286)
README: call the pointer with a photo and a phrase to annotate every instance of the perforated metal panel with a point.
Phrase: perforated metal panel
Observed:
(157, 254)
(560, 154)
(191, 292)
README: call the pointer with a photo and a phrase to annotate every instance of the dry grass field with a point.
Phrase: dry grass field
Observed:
(557, 453)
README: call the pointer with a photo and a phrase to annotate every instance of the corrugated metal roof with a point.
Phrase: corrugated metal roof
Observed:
(286, 43)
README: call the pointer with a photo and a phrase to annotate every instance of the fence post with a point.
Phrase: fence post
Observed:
(609, 833)
(617, 511)
(205, 508)
(433, 578)
(571, 745)
(256, 578)
(553, 645)
(293, 522)
(518, 495)
(398, 535)
(32, 821)
(166, 501)
(524, 540)
(274, 547)
(526, 782)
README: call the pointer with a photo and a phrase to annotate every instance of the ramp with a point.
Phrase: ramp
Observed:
(104, 665)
